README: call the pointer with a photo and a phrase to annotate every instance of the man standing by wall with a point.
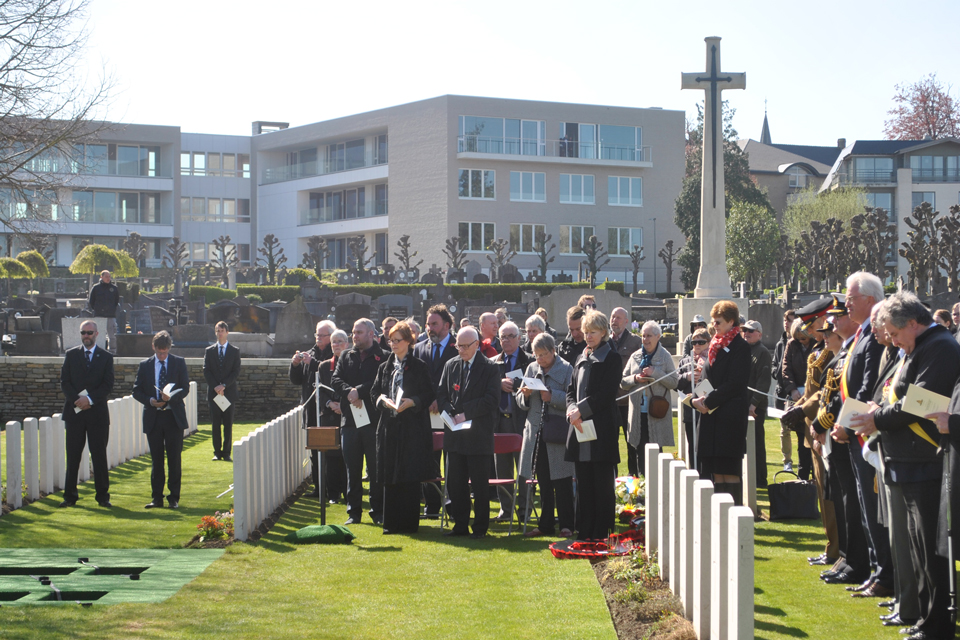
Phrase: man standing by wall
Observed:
(221, 368)
(624, 343)
(353, 377)
(164, 416)
(760, 381)
(86, 379)
(104, 300)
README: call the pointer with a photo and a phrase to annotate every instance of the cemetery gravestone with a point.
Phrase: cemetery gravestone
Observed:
(295, 329)
(471, 269)
(398, 306)
(347, 314)
(139, 321)
(160, 318)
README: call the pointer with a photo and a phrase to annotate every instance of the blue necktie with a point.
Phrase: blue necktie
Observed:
(221, 354)
(163, 379)
(89, 358)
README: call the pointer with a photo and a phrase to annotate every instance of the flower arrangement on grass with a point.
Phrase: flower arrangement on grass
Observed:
(217, 526)
(630, 497)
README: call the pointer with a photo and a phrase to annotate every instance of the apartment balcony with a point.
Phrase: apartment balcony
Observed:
(273, 175)
(563, 151)
(318, 215)
(936, 175)
(866, 178)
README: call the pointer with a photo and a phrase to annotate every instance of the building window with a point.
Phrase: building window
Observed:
(380, 149)
(620, 143)
(243, 253)
(924, 196)
(798, 177)
(526, 186)
(198, 252)
(477, 184)
(185, 163)
(621, 240)
(243, 160)
(572, 238)
(874, 169)
(215, 209)
(109, 159)
(381, 249)
(199, 164)
(882, 201)
(476, 236)
(213, 164)
(523, 236)
(625, 192)
(380, 200)
(512, 136)
(576, 189)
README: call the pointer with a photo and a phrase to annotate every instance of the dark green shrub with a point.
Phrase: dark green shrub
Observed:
(212, 295)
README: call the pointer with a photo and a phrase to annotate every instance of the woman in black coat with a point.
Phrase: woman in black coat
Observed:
(404, 437)
(330, 416)
(592, 397)
(723, 433)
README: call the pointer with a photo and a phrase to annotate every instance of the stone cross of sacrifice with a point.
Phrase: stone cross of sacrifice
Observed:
(713, 281)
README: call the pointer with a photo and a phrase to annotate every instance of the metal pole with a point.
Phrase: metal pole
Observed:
(654, 220)
(321, 485)
(948, 489)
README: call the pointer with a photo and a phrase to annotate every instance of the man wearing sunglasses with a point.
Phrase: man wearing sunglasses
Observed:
(86, 379)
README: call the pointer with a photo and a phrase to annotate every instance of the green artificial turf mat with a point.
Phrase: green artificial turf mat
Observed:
(160, 574)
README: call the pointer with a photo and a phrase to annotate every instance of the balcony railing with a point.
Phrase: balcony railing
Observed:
(96, 167)
(553, 148)
(866, 177)
(311, 169)
(316, 215)
(936, 175)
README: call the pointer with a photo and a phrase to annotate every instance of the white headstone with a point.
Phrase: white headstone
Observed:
(14, 470)
(59, 451)
(702, 494)
(46, 454)
(681, 437)
(113, 444)
(240, 498)
(676, 468)
(713, 281)
(687, 539)
(84, 474)
(651, 500)
(663, 513)
(749, 476)
(31, 458)
(740, 574)
(720, 506)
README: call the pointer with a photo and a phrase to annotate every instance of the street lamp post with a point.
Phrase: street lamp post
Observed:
(654, 220)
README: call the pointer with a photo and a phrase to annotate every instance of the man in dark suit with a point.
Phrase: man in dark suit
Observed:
(164, 416)
(469, 390)
(303, 370)
(512, 417)
(436, 351)
(354, 375)
(625, 343)
(221, 368)
(87, 370)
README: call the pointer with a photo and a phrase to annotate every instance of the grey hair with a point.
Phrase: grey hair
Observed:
(875, 315)
(535, 321)
(466, 332)
(653, 326)
(341, 334)
(901, 308)
(368, 323)
(869, 285)
(86, 322)
(509, 325)
(544, 342)
(414, 326)
(327, 324)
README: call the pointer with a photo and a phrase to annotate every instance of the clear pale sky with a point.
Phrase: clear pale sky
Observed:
(827, 69)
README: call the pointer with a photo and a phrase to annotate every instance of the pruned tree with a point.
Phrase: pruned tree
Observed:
(920, 249)
(667, 255)
(94, 258)
(48, 105)
(13, 269)
(540, 240)
(923, 109)
(42, 243)
(224, 259)
(36, 263)
(949, 228)
(784, 261)
(316, 254)
(273, 257)
(752, 239)
(596, 259)
(500, 256)
(357, 246)
(136, 248)
(875, 241)
(456, 254)
(636, 257)
(175, 261)
(404, 257)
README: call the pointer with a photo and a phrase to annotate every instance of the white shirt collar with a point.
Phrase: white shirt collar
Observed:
(224, 345)
(90, 350)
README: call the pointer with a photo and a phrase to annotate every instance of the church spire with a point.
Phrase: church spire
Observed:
(765, 133)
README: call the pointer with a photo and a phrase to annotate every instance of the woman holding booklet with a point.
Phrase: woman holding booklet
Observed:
(403, 393)
(592, 441)
(651, 410)
(554, 474)
(722, 441)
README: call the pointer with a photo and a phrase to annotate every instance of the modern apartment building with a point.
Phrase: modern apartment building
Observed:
(479, 168)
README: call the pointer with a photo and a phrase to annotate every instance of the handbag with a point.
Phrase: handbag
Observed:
(659, 407)
(793, 499)
(554, 429)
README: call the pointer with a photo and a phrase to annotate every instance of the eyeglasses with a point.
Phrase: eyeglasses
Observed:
(87, 333)
(323, 335)
(461, 347)
(396, 340)
(699, 342)
(745, 330)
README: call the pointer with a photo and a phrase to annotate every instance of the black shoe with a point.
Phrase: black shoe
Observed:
(889, 616)
(897, 621)
(351, 520)
(478, 536)
(829, 573)
(841, 578)
(863, 586)
(227, 459)
(215, 458)
(815, 558)
(823, 561)
(105, 503)
(68, 503)
(922, 635)
(453, 533)
(909, 631)
(153, 505)
(313, 494)
(431, 516)
(888, 604)
(174, 504)
(377, 519)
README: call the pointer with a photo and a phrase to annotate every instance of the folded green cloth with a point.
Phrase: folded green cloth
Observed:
(324, 534)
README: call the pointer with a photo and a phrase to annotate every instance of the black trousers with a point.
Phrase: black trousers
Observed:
(466, 472)
(433, 491)
(931, 570)
(95, 436)
(357, 445)
(853, 542)
(877, 536)
(633, 464)
(336, 473)
(165, 439)
(596, 500)
(221, 446)
(761, 446)
(804, 458)
(401, 507)
(554, 495)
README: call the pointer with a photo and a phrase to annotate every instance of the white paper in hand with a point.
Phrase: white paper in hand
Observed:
(922, 403)
(453, 425)
(436, 422)
(82, 394)
(222, 402)
(589, 431)
(851, 407)
(169, 391)
(535, 384)
(360, 416)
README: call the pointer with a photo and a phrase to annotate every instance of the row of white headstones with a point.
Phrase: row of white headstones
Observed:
(36, 448)
(703, 543)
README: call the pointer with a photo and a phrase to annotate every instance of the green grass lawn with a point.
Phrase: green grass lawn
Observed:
(423, 586)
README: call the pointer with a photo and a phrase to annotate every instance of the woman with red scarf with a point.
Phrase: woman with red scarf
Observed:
(722, 440)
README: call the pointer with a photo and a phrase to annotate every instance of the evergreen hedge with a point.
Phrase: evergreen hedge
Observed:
(471, 291)
(212, 295)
